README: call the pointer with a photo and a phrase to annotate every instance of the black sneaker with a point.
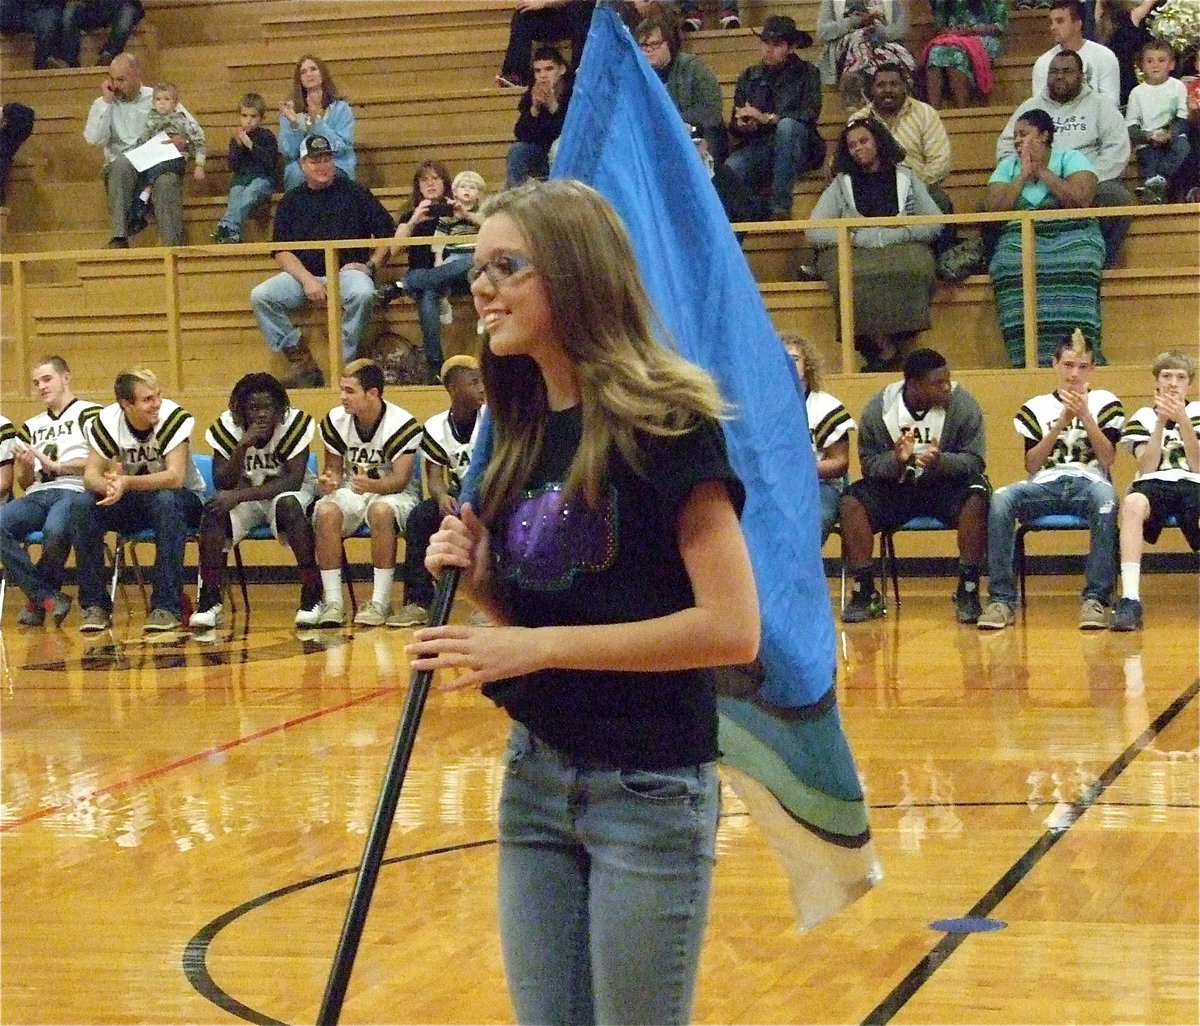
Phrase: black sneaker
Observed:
(966, 605)
(388, 293)
(862, 607)
(1127, 616)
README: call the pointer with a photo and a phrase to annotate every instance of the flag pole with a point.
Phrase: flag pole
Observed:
(385, 812)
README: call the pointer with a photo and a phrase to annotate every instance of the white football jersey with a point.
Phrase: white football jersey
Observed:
(61, 438)
(290, 438)
(8, 441)
(828, 420)
(1173, 463)
(112, 436)
(442, 446)
(395, 432)
(1072, 452)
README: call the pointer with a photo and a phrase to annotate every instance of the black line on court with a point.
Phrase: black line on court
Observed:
(923, 970)
(195, 955)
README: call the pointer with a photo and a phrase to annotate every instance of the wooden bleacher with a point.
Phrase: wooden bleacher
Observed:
(419, 76)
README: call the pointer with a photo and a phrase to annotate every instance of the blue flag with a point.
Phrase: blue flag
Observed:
(783, 741)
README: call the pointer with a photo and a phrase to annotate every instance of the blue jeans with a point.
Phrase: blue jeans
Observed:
(525, 160)
(779, 156)
(830, 500)
(173, 514)
(1162, 160)
(275, 298)
(428, 286)
(243, 201)
(1078, 494)
(120, 17)
(51, 511)
(604, 886)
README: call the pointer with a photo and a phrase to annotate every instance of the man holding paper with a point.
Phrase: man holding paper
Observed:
(116, 121)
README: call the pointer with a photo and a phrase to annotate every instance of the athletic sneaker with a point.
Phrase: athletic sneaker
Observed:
(331, 614)
(308, 616)
(59, 607)
(33, 615)
(691, 23)
(205, 619)
(996, 617)
(412, 615)
(863, 607)
(373, 614)
(1127, 616)
(966, 604)
(1092, 616)
(729, 18)
(162, 620)
(93, 619)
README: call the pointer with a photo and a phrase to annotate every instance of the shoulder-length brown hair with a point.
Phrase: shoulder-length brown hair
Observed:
(328, 86)
(630, 383)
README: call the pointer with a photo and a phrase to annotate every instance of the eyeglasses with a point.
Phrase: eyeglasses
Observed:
(499, 269)
(647, 45)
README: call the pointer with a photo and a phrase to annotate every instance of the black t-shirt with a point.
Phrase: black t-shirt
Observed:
(566, 564)
(342, 210)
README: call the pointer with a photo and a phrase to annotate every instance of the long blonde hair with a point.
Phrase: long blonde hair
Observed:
(629, 381)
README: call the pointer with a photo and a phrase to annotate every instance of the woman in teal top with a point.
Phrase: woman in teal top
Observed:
(1069, 253)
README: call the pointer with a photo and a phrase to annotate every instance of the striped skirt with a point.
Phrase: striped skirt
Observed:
(1070, 255)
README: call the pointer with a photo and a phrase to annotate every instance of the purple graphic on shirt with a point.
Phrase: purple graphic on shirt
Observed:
(550, 540)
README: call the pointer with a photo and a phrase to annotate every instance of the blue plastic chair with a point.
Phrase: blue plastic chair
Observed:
(1046, 522)
(887, 545)
(32, 538)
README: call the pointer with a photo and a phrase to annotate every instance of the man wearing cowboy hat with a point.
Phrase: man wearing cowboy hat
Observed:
(776, 104)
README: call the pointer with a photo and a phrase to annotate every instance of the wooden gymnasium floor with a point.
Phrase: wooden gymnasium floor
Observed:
(181, 819)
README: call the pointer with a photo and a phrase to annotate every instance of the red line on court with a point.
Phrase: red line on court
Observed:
(158, 771)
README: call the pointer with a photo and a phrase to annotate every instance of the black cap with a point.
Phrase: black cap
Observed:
(781, 28)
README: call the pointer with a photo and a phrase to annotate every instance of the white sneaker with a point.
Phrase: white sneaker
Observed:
(412, 615)
(446, 311)
(309, 617)
(330, 614)
(205, 619)
(373, 614)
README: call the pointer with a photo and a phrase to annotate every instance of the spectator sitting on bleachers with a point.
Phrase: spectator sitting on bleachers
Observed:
(49, 460)
(16, 125)
(326, 205)
(691, 19)
(776, 104)
(42, 18)
(541, 112)
(261, 478)
(116, 121)
(170, 116)
(315, 107)
(447, 442)
(120, 17)
(140, 465)
(429, 200)
(1163, 440)
(964, 48)
(915, 125)
(1157, 119)
(543, 21)
(829, 427)
(735, 198)
(1069, 254)
(690, 82)
(1090, 123)
(1070, 438)
(859, 35)
(1101, 70)
(921, 449)
(254, 165)
(893, 267)
(1124, 27)
(369, 448)
(431, 287)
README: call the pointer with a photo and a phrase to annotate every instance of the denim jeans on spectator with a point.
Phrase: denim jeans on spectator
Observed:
(51, 511)
(604, 880)
(119, 16)
(779, 156)
(1112, 193)
(45, 23)
(173, 513)
(275, 298)
(243, 201)
(1078, 494)
(525, 160)
(830, 497)
(429, 286)
(1162, 160)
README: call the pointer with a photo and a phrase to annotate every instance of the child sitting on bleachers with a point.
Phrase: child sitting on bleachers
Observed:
(170, 116)
(1157, 120)
(253, 163)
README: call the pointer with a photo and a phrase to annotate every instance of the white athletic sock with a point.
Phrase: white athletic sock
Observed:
(1131, 576)
(382, 595)
(144, 195)
(331, 584)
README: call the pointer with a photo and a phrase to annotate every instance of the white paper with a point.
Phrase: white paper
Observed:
(155, 151)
